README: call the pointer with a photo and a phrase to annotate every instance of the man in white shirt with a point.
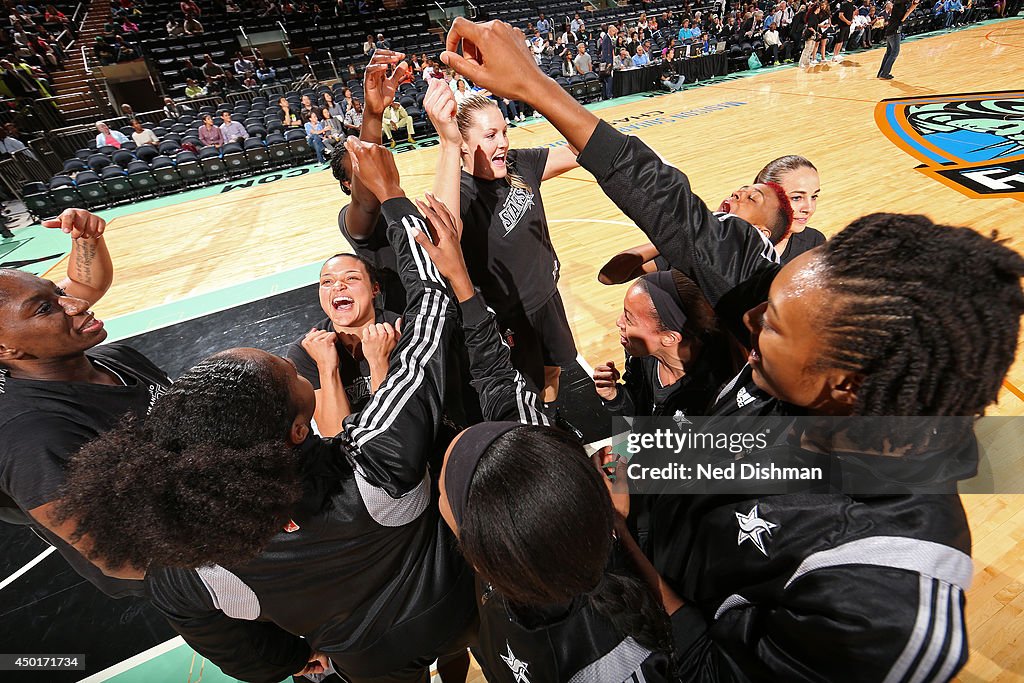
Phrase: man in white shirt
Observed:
(143, 136)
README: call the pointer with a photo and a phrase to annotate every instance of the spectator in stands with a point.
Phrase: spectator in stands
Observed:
(10, 144)
(242, 64)
(622, 60)
(232, 131)
(334, 109)
(231, 7)
(773, 44)
(306, 106)
(106, 136)
(211, 69)
(354, 117)
(954, 13)
(859, 30)
(383, 44)
(17, 82)
(265, 73)
(52, 15)
(462, 91)
(640, 58)
(190, 8)
(209, 134)
(288, 117)
(397, 118)
(126, 52)
(173, 110)
(582, 61)
(192, 71)
(315, 132)
(192, 27)
(346, 101)
(576, 24)
(193, 89)
(250, 81)
(335, 129)
(103, 51)
(129, 26)
(544, 27)
(670, 76)
(143, 136)
(370, 45)
(174, 27)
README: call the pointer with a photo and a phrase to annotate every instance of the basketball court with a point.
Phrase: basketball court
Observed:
(235, 263)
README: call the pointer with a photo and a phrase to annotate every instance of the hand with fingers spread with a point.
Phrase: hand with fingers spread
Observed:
(606, 378)
(494, 56)
(443, 246)
(441, 107)
(78, 223)
(375, 168)
(379, 87)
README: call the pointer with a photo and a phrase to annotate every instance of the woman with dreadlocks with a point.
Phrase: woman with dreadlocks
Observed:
(504, 230)
(895, 316)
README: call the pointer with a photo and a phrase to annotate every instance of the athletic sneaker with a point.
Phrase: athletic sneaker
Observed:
(886, 78)
(522, 117)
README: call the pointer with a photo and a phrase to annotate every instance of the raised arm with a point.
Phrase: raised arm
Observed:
(441, 107)
(502, 390)
(90, 270)
(379, 89)
(654, 194)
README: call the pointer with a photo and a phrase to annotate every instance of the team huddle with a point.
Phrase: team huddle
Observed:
(443, 505)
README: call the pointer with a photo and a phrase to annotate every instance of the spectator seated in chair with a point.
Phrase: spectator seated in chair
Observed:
(232, 131)
(194, 90)
(396, 118)
(209, 134)
(106, 136)
(143, 136)
(354, 117)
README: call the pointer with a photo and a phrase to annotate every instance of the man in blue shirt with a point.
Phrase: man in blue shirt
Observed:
(544, 27)
(640, 58)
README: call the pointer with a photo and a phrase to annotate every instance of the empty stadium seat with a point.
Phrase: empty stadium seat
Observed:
(256, 152)
(188, 167)
(277, 148)
(96, 162)
(116, 181)
(213, 166)
(142, 180)
(90, 189)
(297, 144)
(234, 158)
(122, 158)
(147, 153)
(74, 165)
(163, 170)
(37, 200)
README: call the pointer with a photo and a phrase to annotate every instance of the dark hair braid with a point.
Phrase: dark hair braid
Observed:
(928, 314)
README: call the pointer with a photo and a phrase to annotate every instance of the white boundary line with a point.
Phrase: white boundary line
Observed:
(132, 662)
(38, 558)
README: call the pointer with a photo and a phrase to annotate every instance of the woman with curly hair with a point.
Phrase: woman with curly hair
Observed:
(254, 532)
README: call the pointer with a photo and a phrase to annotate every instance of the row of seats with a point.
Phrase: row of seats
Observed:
(116, 184)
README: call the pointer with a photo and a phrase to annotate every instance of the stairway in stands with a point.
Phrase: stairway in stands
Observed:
(74, 85)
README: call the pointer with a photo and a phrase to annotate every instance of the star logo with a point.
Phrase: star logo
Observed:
(751, 528)
(680, 419)
(518, 667)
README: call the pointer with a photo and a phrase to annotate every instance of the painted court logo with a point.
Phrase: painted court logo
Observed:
(973, 143)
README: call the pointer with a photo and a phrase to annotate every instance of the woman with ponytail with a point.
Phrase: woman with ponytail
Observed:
(676, 357)
(504, 229)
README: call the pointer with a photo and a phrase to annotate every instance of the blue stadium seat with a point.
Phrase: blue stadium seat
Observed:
(297, 144)
(163, 170)
(147, 153)
(74, 165)
(277, 148)
(213, 165)
(122, 158)
(116, 181)
(37, 200)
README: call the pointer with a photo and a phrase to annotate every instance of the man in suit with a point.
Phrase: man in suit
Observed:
(606, 55)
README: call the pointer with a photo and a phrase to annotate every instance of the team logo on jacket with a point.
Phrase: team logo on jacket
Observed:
(973, 143)
(744, 397)
(518, 667)
(517, 203)
(751, 529)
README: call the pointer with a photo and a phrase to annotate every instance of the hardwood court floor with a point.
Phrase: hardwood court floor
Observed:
(825, 114)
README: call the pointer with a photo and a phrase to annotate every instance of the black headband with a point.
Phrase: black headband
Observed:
(462, 462)
(665, 296)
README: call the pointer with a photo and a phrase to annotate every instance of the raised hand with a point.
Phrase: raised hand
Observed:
(494, 56)
(441, 107)
(443, 246)
(606, 378)
(375, 167)
(379, 87)
(78, 223)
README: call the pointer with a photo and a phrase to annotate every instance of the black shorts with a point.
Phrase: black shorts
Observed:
(844, 34)
(540, 339)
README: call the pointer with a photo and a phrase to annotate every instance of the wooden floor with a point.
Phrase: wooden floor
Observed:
(825, 114)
